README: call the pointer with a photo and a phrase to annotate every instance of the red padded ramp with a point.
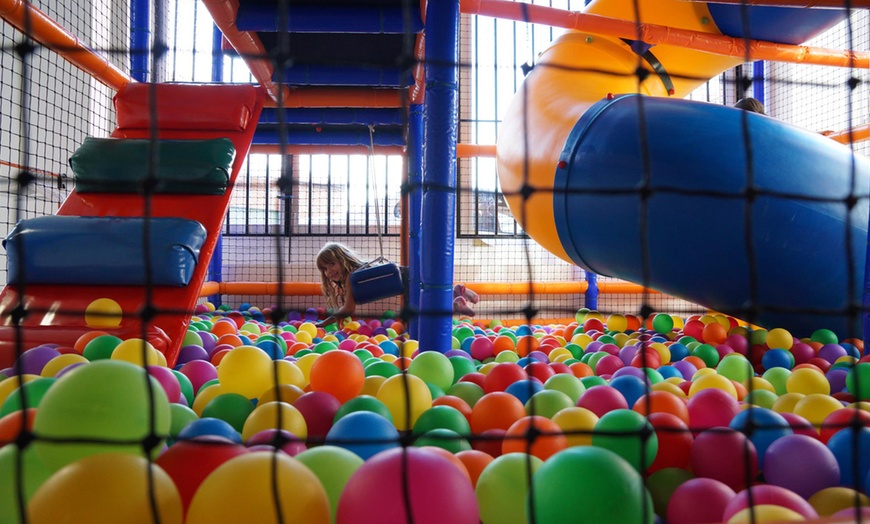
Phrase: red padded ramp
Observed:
(55, 313)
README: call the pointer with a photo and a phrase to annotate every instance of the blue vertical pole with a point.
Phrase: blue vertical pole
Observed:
(140, 39)
(758, 80)
(216, 264)
(415, 202)
(439, 176)
(591, 297)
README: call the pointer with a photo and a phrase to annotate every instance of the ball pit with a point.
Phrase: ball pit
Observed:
(719, 409)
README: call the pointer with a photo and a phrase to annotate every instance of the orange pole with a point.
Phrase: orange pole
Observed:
(37, 25)
(855, 4)
(300, 289)
(247, 44)
(276, 149)
(340, 97)
(659, 34)
(418, 92)
(475, 150)
(857, 134)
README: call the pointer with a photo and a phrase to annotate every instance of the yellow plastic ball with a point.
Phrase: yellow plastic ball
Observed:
(406, 397)
(60, 362)
(617, 323)
(786, 403)
(136, 351)
(808, 382)
(8, 385)
(107, 488)
(712, 381)
(766, 514)
(670, 387)
(304, 337)
(372, 384)
(243, 490)
(779, 338)
(304, 364)
(577, 423)
(103, 313)
(828, 501)
(289, 373)
(816, 407)
(408, 348)
(581, 339)
(204, 396)
(266, 416)
(307, 327)
(246, 370)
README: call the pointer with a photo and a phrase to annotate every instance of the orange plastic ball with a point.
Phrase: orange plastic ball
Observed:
(339, 373)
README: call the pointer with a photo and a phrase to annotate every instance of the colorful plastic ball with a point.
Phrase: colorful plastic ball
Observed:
(497, 410)
(831, 352)
(28, 395)
(503, 375)
(32, 361)
(275, 415)
(246, 370)
(107, 488)
(578, 425)
(442, 417)
(592, 482)
(108, 401)
(252, 478)
(524, 389)
(602, 399)
(769, 494)
(209, 427)
(628, 434)
(726, 455)
(800, 464)
(567, 384)
(548, 438)
(807, 381)
(852, 451)
(406, 396)
(433, 367)
(841, 419)
(779, 338)
(232, 408)
(762, 426)
(198, 372)
(333, 466)
(103, 313)
(765, 514)
(699, 500)
(364, 433)
(547, 403)
(710, 408)
(34, 474)
(777, 358)
(829, 501)
(858, 381)
(189, 462)
(319, 409)
(674, 442)
(339, 373)
(503, 486)
(363, 403)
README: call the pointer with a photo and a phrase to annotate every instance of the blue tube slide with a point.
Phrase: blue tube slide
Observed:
(786, 25)
(334, 116)
(764, 224)
(309, 135)
(253, 16)
(140, 39)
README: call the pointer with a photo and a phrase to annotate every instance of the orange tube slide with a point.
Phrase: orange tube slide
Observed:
(33, 22)
(660, 34)
(302, 289)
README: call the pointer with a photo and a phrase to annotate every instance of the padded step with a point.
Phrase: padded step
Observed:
(103, 250)
(113, 165)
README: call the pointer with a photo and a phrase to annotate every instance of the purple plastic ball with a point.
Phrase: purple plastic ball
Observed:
(33, 360)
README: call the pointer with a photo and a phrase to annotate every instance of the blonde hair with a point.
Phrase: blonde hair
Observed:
(750, 104)
(332, 253)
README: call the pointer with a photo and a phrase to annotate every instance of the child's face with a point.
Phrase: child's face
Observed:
(333, 271)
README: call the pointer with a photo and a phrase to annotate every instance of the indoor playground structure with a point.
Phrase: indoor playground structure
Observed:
(669, 291)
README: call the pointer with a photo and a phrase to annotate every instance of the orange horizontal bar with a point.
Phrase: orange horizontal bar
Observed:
(474, 150)
(856, 134)
(660, 34)
(37, 25)
(277, 149)
(854, 4)
(340, 97)
(482, 288)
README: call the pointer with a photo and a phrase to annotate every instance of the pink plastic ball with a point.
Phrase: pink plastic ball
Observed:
(602, 399)
(699, 500)
(711, 407)
(768, 494)
(396, 482)
(726, 455)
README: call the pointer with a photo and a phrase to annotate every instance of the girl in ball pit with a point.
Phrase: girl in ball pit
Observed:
(336, 262)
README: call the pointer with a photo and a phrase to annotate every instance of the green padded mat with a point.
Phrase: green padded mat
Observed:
(123, 165)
